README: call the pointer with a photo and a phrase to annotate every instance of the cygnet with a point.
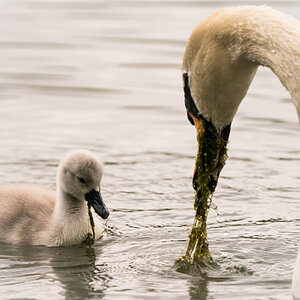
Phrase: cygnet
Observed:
(35, 216)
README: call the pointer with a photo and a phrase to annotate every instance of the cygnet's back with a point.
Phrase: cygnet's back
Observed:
(31, 215)
(21, 210)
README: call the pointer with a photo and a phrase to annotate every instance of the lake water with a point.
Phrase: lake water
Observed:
(105, 75)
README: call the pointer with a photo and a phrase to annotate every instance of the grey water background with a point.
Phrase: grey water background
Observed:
(105, 75)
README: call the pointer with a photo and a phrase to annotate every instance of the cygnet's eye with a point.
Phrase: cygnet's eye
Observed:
(82, 180)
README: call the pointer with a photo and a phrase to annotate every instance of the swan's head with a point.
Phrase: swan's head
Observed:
(212, 143)
(216, 79)
(79, 176)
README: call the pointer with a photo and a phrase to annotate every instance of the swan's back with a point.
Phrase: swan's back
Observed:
(25, 210)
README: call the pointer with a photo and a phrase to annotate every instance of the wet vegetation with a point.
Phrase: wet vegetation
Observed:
(211, 157)
(90, 237)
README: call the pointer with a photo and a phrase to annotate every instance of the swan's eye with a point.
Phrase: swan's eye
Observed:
(82, 180)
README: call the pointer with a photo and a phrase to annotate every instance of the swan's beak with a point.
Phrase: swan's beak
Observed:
(95, 199)
(211, 155)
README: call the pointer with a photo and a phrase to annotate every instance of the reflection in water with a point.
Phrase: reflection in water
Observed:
(198, 289)
(73, 267)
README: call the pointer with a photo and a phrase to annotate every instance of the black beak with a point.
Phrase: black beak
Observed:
(94, 198)
(190, 106)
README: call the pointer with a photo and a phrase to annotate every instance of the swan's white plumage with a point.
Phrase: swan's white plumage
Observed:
(225, 49)
(35, 216)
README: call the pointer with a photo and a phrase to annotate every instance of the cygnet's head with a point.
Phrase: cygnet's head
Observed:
(79, 175)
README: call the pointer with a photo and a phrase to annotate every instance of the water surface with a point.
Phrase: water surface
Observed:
(105, 75)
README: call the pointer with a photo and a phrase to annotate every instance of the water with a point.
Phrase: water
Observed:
(105, 75)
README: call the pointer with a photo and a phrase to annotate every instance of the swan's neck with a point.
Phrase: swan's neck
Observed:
(271, 40)
(225, 50)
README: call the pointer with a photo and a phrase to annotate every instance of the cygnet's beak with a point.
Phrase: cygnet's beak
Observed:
(95, 199)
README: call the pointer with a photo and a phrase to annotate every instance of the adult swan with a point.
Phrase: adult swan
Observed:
(219, 64)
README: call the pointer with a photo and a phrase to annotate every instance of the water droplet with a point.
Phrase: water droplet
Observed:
(273, 51)
(215, 209)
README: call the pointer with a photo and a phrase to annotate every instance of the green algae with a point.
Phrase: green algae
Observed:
(90, 237)
(211, 157)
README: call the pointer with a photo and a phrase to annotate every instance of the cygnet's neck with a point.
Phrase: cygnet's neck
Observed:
(70, 222)
(67, 206)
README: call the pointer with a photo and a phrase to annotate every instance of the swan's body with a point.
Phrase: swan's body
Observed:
(35, 216)
(224, 51)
